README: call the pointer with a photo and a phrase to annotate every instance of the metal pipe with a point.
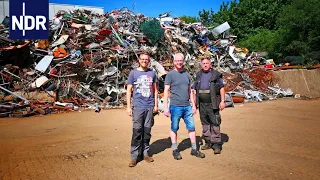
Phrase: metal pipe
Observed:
(69, 75)
(25, 100)
(14, 75)
(93, 93)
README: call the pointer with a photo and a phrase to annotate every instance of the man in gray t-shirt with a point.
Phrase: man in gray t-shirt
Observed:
(179, 83)
(179, 87)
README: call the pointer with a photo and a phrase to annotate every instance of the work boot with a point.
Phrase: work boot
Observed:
(133, 163)
(206, 146)
(217, 149)
(176, 155)
(197, 153)
(148, 159)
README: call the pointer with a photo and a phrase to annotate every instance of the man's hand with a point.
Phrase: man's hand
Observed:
(166, 112)
(155, 109)
(194, 110)
(222, 105)
(129, 111)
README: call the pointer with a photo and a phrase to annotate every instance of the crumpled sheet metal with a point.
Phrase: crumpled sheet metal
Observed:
(253, 85)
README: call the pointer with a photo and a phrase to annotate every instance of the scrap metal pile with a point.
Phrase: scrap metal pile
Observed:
(87, 59)
(253, 85)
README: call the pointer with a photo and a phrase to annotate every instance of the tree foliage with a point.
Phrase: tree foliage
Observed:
(280, 27)
(189, 19)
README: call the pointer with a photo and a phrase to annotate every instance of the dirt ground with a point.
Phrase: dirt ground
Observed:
(269, 140)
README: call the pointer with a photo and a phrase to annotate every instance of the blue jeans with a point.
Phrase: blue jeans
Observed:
(184, 112)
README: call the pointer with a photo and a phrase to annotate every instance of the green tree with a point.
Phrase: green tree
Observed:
(301, 20)
(189, 19)
(281, 27)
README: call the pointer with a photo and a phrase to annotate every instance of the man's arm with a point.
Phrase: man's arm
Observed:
(222, 104)
(155, 87)
(194, 93)
(167, 85)
(195, 96)
(222, 90)
(192, 98)
(166, 95)
(129, 92)
(222, 94)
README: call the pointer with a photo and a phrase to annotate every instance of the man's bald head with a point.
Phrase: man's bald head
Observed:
(178, 56)
(178, 61)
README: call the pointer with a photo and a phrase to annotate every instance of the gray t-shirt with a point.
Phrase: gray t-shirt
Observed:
(143, 92)
(179, 87)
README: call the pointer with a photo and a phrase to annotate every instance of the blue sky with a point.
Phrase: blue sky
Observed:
(151, 8)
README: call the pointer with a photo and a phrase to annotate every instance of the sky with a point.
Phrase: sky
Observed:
(151, 8)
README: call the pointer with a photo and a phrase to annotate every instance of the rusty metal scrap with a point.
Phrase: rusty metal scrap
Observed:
(254, 84)
(88, 58)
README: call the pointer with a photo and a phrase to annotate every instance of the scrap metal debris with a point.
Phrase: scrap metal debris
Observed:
(253, 85)
(87, 60)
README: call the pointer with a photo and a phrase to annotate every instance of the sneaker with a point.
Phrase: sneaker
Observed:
(176, 154)
(132, 163)
(148, 159)
(197, 153)
(217, 149)
(206, 146)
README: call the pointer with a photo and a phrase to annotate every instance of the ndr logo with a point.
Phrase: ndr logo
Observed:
(29, 19)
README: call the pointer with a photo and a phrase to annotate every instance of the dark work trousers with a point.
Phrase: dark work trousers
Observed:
(142, 119)
(210, 123)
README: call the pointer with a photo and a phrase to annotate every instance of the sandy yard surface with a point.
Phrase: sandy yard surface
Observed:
(269, 140)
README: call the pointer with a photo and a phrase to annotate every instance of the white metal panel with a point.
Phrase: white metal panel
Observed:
(55, 8)
(51, 11)
(99, 10)
(4, 9)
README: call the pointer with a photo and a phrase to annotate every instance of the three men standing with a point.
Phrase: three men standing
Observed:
(208, 95)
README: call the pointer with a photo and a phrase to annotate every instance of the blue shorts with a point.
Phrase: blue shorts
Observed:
(184, 112)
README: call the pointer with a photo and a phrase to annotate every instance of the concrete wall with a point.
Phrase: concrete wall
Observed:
(300, 81)
(53, 8)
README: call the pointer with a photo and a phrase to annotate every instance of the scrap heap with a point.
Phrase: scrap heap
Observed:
(87, 59)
